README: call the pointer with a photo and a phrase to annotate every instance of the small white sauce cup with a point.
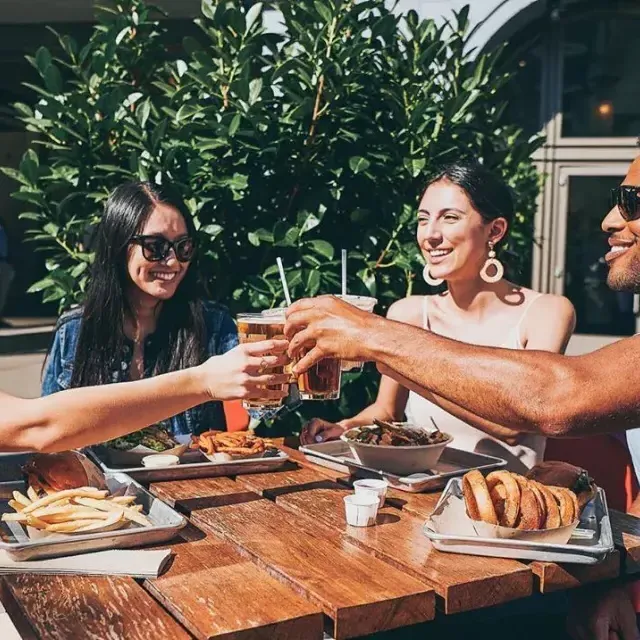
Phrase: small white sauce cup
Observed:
(361, 509)
(372, 485)
(160, 460)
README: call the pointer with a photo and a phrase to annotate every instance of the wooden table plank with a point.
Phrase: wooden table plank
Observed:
(626, 537)
(359, 592)
(463, 582)
(91, 608)
(272, 484)
(216, 593)
(201, 493)
(555, 577)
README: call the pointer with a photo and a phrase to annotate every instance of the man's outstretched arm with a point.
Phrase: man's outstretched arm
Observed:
(525, 390)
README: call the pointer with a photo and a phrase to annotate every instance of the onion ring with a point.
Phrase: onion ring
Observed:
(531, 513)
(505, 495)
(552, 520)
(567, 503)
(477, 499)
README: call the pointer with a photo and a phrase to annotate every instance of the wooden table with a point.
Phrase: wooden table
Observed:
(270, 556)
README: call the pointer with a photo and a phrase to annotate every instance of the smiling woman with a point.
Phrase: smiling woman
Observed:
(144, 313)
(463, 215)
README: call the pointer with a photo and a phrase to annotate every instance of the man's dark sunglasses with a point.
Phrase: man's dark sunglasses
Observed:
(157, 248)
(627, 199)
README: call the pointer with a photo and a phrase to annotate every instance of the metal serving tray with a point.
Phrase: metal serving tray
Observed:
(14, 539)
(453, 462)
(579, 550)
(203, 468)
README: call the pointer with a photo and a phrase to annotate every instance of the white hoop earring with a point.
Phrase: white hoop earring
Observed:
(492, 261)
(429, 279)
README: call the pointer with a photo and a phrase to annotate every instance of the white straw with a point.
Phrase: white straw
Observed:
(285, 288)
(344, 272)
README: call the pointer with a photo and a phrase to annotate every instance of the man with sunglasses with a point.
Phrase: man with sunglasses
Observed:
(530, 391)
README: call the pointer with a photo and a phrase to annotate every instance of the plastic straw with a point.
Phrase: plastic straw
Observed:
(285, 287)
(344, 272)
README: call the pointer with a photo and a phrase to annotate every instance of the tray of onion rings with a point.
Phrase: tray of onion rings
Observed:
(555, 513)
(210, 454)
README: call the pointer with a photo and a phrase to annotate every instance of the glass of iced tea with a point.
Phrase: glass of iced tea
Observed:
(364, 303)
(255, 327)
(322, 381)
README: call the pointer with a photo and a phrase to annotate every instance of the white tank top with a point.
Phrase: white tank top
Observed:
(520, 457)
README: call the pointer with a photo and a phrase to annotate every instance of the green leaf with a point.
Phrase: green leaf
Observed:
(41, 285)
(121, 35)
(43, 60)
(143, 111)
(255, 89)
(235, 123)
(252, 15)
(358, 164)
(212, 230)
(414, 166)
(323, 247)
(253, 239)
(53, 79)
(208, 9)
(311, 283)
(323, 10)
(51, 228)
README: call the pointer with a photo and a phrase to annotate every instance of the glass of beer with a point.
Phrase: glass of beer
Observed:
(364, 303)
(255, 327)
(322, 380)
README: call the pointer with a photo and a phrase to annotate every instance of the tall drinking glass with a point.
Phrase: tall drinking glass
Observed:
(322, 380)
(255, 327)
(364, 303)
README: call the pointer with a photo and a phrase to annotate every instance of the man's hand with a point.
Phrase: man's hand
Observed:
(326, 327)
(318, 430)
(602, 614)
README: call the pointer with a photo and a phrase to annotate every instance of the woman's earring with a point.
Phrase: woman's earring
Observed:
(429, 279)
(492, 261)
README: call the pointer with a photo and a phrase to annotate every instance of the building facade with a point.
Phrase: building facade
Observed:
(578, 84)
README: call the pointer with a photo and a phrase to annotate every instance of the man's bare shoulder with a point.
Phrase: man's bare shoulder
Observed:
(407, 310)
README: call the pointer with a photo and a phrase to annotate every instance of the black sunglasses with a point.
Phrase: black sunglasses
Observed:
(157, 248)
(627, 199)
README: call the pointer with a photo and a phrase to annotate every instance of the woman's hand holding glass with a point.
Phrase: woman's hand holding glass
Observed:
(246, 372)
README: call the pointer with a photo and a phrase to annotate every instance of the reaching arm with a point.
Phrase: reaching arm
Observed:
(540, 335)
(528, 390)
(83, 416)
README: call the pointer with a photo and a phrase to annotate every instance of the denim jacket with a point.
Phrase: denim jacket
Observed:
(222, 335)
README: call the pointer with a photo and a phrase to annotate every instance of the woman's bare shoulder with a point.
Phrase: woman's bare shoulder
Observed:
(407, 310)
(547, 306)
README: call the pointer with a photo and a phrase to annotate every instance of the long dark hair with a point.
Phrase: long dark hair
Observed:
(180, 331)
(488, 193)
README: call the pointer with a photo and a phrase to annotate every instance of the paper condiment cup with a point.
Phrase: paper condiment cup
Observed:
(372, 485)
(160, 460)
(361, 509)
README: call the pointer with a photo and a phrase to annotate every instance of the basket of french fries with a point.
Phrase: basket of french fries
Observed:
(48, 523)
(225, 446)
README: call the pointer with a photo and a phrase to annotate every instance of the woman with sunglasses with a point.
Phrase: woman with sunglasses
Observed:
(465, 212)
(144, 313)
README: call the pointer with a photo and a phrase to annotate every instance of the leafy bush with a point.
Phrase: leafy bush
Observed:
(293, 144)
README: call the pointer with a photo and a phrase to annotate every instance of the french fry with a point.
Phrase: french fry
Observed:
(20, 516)
(31, 493)
(122, 499)
(88, 492)
(114, 520)
(22, 499)
(80, 514)
(106, 505)
(68, 527)
(36, 523)
(16, 506)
